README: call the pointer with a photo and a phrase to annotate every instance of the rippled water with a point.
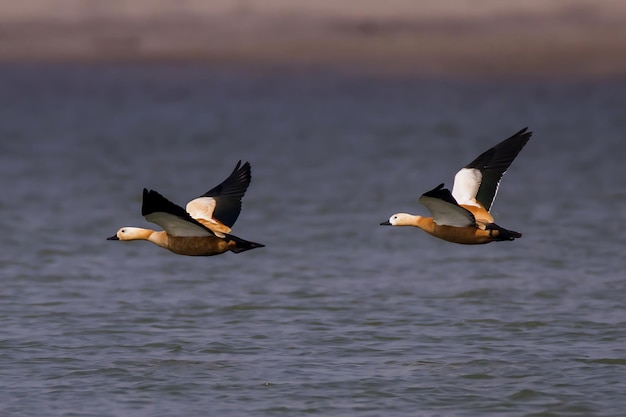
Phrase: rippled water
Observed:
(336, 316)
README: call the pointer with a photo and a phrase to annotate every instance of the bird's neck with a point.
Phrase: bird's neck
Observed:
(138, 233)
(158, 238)
(425, 223)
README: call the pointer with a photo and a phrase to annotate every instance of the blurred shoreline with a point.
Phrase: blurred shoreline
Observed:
(579, 39)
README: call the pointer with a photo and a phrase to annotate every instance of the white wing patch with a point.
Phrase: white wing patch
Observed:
(448, 214)
(202, 208)
(175, 226)
(466, 184)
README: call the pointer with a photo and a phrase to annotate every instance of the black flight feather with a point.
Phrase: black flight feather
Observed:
(442, 194)
(494, 162)
(229, 193)
(153, 202)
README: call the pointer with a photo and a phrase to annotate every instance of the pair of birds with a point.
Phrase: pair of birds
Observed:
(461, 216)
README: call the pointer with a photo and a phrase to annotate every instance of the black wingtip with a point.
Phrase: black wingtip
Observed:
(499, 157)
(228, 194)
(146, 198)
(434, 190)
(153, 202)
(524, 135)
(235, 185)
(441, 193)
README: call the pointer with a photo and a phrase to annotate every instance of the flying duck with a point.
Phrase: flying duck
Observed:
(462, 216)
(203, 229)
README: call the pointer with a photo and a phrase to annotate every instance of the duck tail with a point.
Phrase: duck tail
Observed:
(238, 245)
(499, 234)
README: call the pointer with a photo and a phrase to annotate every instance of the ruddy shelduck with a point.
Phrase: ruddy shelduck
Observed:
(203, 229)
(462, 216)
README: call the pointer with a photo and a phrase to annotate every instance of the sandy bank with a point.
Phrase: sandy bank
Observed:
(581, 40)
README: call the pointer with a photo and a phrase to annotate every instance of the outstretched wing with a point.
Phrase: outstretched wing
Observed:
(444, 208)
(172, 218)
(222, 203)
(478, 181)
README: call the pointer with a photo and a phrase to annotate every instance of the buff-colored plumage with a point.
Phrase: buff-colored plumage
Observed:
(201, 230)
(462, 216)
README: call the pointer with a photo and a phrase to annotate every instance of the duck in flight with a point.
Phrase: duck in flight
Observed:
(203, 229)
(462, 216)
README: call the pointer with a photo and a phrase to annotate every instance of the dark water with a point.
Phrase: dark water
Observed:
(336, 316)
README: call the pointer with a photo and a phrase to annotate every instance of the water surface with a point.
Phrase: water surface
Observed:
(337, 316)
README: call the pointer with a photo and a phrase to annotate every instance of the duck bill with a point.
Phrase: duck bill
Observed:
(385, 223)
(114, 237)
